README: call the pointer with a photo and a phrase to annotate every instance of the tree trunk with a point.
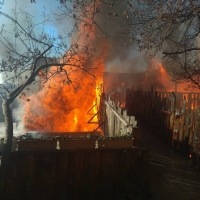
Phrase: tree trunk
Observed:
(7, 140)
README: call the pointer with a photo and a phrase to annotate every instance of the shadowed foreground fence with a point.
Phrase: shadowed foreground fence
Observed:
(173, 116)
(77, 174)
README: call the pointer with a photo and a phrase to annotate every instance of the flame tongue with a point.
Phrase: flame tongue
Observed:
(63, 108)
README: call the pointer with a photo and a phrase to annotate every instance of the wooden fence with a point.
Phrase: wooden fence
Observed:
(116, 121)
(77, 174)
(175, 117)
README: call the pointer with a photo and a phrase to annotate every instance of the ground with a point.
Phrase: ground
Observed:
(171, 176)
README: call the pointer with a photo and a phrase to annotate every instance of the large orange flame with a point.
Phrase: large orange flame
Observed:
(63, 107)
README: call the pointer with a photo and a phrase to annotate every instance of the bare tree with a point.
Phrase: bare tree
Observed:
(87, 14)
(170, 27)
(28, 56)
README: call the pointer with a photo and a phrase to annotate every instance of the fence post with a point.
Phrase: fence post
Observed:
(180, 143)
(191, 132)
(195, 145)
(172, 111)
(188, 127)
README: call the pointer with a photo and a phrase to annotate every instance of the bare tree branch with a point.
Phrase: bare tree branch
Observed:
(6, 90)
(16, 22)
(180, 52)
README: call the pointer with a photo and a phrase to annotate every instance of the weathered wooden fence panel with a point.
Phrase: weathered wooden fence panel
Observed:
(117, 121)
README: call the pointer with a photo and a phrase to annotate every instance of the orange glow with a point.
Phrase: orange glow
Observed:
(62, 104)
(164, 79)
(75, 119)
(157, 76)
(61, 107)
(122, 105)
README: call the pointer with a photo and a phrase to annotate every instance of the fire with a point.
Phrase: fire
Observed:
(95, 111)
(157, 76)
(75, 119)
(62, 105)
(62, 108)
(164, 79)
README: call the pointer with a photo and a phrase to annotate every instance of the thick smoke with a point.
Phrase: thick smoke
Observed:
(121, 58)
(136, 68)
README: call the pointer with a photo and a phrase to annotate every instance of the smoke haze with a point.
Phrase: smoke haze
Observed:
(117, 56)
